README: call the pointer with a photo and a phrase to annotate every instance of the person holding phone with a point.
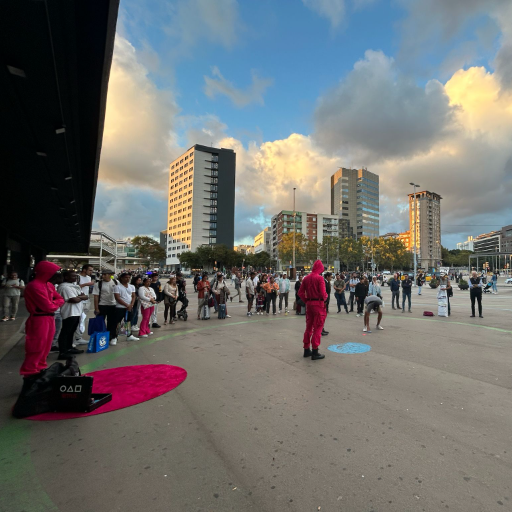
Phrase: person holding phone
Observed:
(85, 282)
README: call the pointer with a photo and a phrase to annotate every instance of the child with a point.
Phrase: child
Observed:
(260, 302)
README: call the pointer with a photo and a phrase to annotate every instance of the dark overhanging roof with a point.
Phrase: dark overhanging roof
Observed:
(55, 58)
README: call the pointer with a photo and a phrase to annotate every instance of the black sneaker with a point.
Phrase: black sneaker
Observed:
(156, 326)
(307, 352)
(73, 351)
(54, 349)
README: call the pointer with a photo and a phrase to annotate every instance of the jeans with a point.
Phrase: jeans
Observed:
(283, 295)
(67, 333)
(360, 305)
(495, 286)
(135, 312)
(419, 289)
(404, 296)
(58, 325)
(154, 315)
(109, 312)
(172, 307)
(124, 314)
(271, 297)
(395, 294)
(351, 299)
(11, 305)
(341, 301)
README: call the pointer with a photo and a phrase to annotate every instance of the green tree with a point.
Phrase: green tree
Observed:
(285, 248)
(329, 249)
(149, 249)
(351, 253)
(191, 260)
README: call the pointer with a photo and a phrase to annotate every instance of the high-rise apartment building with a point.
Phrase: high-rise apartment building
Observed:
(201, 201)
(262, 241)
(355, 198)
(314, 226)
(428, 228)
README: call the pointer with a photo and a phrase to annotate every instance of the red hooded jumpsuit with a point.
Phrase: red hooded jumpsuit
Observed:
(41, 301)
(312, 292)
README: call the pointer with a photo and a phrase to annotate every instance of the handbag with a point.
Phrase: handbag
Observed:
(96, 324)
(449, 292)
(98, 342)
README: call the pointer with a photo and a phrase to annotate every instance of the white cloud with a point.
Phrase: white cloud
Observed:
(240, 98)
(333, 10)
(377, 113)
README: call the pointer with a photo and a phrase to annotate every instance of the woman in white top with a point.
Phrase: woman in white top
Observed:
(170, 299)
(147, 299)
(11, 297)
(375, 288)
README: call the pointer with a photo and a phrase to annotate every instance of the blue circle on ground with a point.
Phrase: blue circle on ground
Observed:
(350, 348)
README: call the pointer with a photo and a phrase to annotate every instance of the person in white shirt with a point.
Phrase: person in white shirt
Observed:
(84, 281)
(70, 311)
(124, 293)
(147, 297)
(105, 302)
(11, 297)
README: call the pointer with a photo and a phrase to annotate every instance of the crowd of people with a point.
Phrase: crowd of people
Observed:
(59, 302)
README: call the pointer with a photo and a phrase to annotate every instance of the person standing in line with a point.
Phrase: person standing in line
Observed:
(136, 282)
(203, 294)
(284, 291)
(196, 281)
(105, 302)
(11, 288)
(360, 293)
(71, 311)
(124, 293)
(419, 282)
(250, 292)
(406, 292)
(85, 282)
(352, 283)
(271, 290)
(339, 292)
(445, 282)
(372, 303)
(312, 293)
(238, 285)
(475, 293)
(147, 299)
(170, 293)
(494, 284)
(157, 288)
(41, 301)
(221, 292)
(394, 286)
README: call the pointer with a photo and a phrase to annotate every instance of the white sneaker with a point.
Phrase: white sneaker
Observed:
(144, 336)
(365, 329)
(228, 316)
(279, 311)
(135, 328)
(358, 315)
(380, 327)
(113, 342)
(81, 342)
(132, 338)
(151, 333)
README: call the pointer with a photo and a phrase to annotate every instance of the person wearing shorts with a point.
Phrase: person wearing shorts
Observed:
(372, 303)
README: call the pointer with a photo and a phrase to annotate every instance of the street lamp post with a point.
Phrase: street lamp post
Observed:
(414, 185)
(293, 258)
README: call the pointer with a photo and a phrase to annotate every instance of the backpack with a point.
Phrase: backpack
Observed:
(428, 313)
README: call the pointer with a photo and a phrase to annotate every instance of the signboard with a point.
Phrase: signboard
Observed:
(444, 270)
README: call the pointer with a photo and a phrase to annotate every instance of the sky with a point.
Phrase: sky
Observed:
(414, 90)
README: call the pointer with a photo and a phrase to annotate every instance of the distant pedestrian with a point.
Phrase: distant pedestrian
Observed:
(444, 284)
(394, 286)
(203, 296)
(339, 292)
(353, 282)
(105, 302)
(419, 282)
(11, 288)
(284, 291)
(124, 293)
(374, 288)
(494, 279)
(170, 293)
(249, 292)
(406, 292)
(327, 279)
(157, 288)
(136, 282)
(372, 303)
(236, 277)
(221, 291)
(147, 297)
(271, 290)
(360, 293)
(475, 293)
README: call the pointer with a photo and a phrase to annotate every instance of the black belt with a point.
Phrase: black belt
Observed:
(43, 314)
(309, 300)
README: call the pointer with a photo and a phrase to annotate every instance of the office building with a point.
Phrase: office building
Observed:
(404, 237)
(488, 242)
(355, 198)
(244, 249)
(466, 245)
(201, 201)
(428, 228)
(262, 241)
(314, 226)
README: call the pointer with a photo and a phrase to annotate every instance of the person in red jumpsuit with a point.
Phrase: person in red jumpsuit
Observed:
(41, 301)
(312, 292)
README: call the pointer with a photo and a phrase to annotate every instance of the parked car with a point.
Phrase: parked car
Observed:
(508, 281)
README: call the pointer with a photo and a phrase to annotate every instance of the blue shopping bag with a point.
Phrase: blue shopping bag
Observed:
(96, 324)
(98, 341)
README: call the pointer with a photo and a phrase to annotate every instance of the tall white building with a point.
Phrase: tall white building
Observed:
(201, 201)
(262, 241)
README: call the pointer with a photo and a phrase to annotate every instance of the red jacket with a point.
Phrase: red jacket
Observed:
(40, 295)
(313, 285)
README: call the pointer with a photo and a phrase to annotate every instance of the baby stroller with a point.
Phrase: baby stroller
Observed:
(182, 313)
(488, 287)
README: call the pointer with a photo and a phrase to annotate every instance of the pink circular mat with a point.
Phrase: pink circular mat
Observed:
(129, 385)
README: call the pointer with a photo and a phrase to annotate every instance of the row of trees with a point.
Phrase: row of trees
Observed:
(221, 256)
(455, 257)
(386, 253)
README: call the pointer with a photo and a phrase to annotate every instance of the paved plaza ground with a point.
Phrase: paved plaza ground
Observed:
(421, 422)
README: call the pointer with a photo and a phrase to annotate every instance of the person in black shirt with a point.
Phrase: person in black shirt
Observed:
(157, 288)
(475, 292)
(406, 292)
(360, 293)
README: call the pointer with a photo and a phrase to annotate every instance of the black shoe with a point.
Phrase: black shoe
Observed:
(54, 349)
(73, 351)
(348, 312)
(156, 326)
(316, 355)
(324, 331)
(472, 316)
(480, 316)
(394, 308)
(307, 352)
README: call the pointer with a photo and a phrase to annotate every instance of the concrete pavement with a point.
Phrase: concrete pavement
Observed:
(422, 422)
